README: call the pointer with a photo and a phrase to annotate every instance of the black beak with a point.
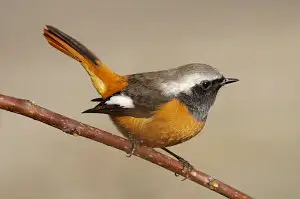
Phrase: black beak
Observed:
(229, 81)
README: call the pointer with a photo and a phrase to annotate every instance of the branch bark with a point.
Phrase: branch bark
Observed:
(67, 125)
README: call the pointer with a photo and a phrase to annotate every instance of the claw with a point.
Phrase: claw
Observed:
(186, 166)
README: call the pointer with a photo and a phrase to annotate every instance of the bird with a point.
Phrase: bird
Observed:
(158, 109)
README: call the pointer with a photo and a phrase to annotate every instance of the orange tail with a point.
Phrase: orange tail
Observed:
(104, 80)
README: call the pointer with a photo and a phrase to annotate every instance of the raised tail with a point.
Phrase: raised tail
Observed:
(104, 80)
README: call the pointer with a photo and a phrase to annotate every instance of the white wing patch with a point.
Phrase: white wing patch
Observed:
(184, 84)
(121, 100)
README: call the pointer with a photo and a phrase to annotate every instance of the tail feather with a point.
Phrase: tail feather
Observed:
(105, 81)
(73, 43)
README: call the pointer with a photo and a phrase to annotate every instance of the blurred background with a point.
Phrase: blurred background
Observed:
(251, 139)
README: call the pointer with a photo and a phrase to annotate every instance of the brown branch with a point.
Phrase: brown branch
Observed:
(67, 125)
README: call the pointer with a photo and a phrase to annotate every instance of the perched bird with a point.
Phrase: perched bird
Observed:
(158, 109)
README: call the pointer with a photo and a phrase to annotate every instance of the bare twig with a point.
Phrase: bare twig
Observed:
(67, 125)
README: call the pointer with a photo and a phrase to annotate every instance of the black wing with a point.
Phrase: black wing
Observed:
(112, 109)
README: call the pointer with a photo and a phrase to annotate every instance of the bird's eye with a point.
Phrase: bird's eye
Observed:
(206, 84)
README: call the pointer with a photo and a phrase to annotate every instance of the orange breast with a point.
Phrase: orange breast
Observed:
(170, 125)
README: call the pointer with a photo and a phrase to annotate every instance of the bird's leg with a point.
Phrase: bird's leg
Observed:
(186, 164)
(134, 143)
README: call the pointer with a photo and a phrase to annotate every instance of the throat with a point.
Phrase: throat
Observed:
(199, 110)
(198, 107)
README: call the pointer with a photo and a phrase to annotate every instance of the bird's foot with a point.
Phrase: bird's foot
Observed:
(134, 143)
(186, 166)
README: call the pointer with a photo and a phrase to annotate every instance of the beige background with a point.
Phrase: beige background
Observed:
(251, 140)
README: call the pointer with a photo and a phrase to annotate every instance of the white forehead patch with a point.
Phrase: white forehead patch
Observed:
(121, 100)
(184, 84)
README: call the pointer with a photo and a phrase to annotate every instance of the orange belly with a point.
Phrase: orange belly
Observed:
(170, 125)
